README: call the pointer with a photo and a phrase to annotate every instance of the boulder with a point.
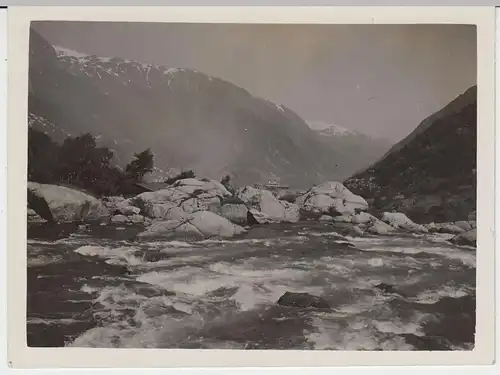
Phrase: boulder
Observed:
(158, 210)
(119, 219)
(468, 238)
(264, 201)
(449, 228)
(259, 217)
(357, 230)
(201, 204)
(326, 218)
(363, 218)
(190, 195)
(389, 289)
(343, 219)
(465, 225)
(431, 227)
(64, 205)
(128, 210)
(212, 225)
(33, 217)
(249, 195)
(302, 300)
(136, 219)
(331, 197)
(379, 227)
(172, 229)
(292, 212)
(399, 220)
(386, 288)
(236, 213)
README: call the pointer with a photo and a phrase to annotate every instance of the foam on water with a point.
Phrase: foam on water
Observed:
(466, 257)
(51, 321)
(434, 295)
(221, 279)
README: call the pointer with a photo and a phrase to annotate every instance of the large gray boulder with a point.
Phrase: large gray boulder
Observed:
(236, 213)
(331, 197)
(199, 225)
(64, 205)
(190, 195)
(468, 238)
(399, 220)
(271, 208)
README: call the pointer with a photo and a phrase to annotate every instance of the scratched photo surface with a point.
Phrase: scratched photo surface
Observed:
(245, 186)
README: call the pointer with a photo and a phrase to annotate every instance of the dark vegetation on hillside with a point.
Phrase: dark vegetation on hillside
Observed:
(433, 174)
(79, 162)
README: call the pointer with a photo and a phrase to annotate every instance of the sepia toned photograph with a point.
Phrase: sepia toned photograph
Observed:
(248, 187)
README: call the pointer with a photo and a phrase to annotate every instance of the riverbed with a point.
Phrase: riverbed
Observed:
(97, 286)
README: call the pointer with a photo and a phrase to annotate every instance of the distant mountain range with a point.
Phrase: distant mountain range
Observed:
(190, 120)
(361, 149)
(432, 172)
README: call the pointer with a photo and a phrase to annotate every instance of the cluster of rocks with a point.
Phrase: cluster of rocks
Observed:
(205, 208)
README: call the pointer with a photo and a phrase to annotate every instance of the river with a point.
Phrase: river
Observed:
(96, 286)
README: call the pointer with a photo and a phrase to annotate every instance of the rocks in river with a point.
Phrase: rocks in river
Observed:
(64, 205)
(171, 229)
(264, 201)
(357, 230)
(210, 224)
(449, 228)
(33, 217)
(119, 219)
(128, 210)
(302, 300)
(189, 195)
(200, 225)
(236, 213)
(379, 227)
(386, 288)
(136, 219)
(256, 217)
(363, 218)
(452, 228)
(343, 219)
(326, 218)
(465, 225)
(399, 220)
(332, 198)
(468, 238)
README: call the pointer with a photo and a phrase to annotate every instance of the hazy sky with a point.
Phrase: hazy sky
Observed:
(379, 79)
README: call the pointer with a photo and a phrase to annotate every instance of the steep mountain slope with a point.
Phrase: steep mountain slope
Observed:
(189, 120)
(359, 150)
(430, 174)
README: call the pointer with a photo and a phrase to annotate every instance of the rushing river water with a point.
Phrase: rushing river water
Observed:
(98, 287)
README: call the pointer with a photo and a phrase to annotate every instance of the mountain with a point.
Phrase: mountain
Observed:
(359, 150)
(190, 120)
(430, 174)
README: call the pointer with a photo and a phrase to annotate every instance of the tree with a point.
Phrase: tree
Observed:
(142, 164)
(82, 162)
(43, 157)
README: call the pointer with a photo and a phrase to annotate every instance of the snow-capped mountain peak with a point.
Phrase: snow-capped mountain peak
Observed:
(326, 129)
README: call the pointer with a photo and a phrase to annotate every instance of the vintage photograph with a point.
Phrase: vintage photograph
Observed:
(252, 186)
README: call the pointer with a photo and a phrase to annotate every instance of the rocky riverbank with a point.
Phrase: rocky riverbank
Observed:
(193, 209)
